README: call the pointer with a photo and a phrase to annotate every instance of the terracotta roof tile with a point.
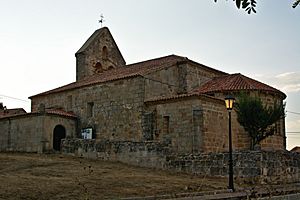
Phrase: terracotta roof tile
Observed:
(61, 113)
(48, 111)
(296, 149)
(180, 96)
(136, 69)
(11, 112)
(234, 82)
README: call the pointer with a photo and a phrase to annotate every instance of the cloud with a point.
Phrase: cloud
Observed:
(286, 74)
(293, 125)
(287, 82)
(293, 137)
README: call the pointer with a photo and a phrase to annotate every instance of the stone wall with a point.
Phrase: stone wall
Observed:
(113, 109)
(240, 136)
(249, 166)
(197, 75)
(32, 132)
(162, 83)
(191, 124)
(180, 78)
(146, 154)
(278, 140)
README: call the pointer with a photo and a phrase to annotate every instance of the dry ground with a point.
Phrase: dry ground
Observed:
(33, 176)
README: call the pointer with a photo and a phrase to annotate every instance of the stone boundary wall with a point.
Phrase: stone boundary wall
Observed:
(144, 154)
(249, 166)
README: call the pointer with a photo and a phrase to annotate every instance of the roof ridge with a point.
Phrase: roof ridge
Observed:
(248, 78)
(159, 58)
(233, 82)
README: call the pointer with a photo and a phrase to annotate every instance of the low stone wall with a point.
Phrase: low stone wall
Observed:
(145, 154)
(249, 166)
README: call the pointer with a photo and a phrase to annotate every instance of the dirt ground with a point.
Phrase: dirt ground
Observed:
(33, 176)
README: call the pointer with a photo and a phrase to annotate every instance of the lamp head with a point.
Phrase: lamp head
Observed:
(229, 100)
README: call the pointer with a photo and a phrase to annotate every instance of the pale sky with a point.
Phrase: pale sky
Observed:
(38, 40)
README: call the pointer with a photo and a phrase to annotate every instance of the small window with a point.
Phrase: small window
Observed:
(166, 124)
(110, 67)
(278, 127)
(104, 53)
(98, 67)
(90, 109)
(69, 103)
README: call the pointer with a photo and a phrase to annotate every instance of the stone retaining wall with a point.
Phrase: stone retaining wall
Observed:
(249, 166)
(145, 154)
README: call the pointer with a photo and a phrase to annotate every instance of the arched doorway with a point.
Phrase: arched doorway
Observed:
(59, 133)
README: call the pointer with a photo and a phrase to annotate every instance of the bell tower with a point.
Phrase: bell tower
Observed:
(98, 54)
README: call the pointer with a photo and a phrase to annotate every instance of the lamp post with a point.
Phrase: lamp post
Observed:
(229, 100)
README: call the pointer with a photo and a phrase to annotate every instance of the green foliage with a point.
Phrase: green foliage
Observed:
(296, 3)
(249, 5)
(258, 119)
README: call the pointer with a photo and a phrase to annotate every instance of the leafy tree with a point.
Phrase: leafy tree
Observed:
(258, 119)
(296, 3)
(249, 5)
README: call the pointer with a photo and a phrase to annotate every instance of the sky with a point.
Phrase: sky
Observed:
(39, 38)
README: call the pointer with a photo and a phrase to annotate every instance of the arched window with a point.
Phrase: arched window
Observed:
(110, 67)
(98, 67)
(104, 53)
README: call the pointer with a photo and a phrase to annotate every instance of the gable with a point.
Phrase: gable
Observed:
(98, 54)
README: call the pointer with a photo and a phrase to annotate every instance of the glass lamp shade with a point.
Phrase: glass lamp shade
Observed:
(229, 100)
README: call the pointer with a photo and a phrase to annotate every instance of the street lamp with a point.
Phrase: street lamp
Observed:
(229, 100)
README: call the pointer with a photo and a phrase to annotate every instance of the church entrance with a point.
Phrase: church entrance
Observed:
(59, 133)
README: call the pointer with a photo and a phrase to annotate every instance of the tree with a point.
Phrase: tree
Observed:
(296, 3)
(258, 119)
(249, 5)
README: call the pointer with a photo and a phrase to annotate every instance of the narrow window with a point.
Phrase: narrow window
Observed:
(69, 103)
(90, 109)
(98, 67)
(104, 53)
(278, 127)
(166, 124)
(197, 131)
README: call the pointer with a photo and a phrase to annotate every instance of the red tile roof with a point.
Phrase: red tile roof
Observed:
(11, 112)
(136, 69)
(131, 70)
(61, 113)
(235, 82)
(181, 96)
(296, 149)
(48, 111)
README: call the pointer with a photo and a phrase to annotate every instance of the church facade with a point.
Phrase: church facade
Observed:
(172, 100)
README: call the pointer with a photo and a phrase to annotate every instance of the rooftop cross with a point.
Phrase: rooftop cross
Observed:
(101, 19)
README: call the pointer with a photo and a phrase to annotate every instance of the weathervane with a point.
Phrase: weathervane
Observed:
(101, 19)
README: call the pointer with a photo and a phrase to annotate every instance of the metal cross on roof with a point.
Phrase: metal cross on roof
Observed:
(101, 20)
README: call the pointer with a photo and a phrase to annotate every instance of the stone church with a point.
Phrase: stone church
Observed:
(171, 100)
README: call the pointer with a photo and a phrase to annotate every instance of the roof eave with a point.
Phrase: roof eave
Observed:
(82, 86)
(283, 95)
(180, 97)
